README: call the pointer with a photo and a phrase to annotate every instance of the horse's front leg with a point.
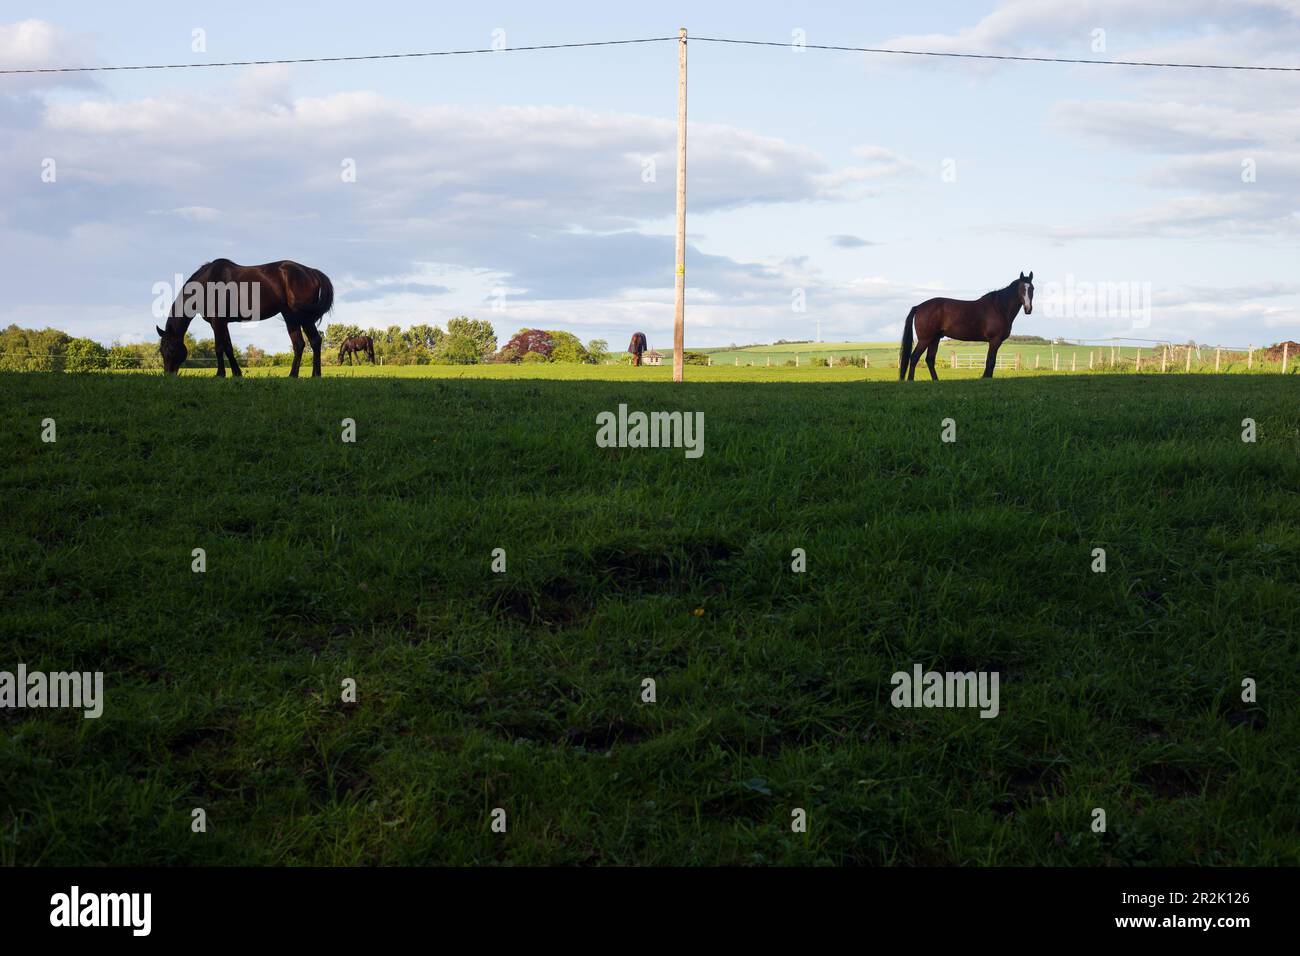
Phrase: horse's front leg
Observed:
(991, 362)
(218, 340)
(229, 346)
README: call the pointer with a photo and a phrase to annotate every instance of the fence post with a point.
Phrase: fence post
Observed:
(866, 361)
(1164, 357)
(1250, 356)
(1189, 359)
(1074, 362)
(1285, 347)
(1139, 360)
(1218, 352)
(769, 361)
(796, 359)
(1037, 360)
(1056, 361)
(1017, 361)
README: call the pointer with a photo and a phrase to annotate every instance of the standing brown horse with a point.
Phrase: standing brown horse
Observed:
(986, 319)
(637, 346)
(357, 343)
(224, 292)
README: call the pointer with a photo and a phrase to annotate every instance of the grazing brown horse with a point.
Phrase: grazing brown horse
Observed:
(357, 343)
(637, 346)
(986, 319)
(224, 292)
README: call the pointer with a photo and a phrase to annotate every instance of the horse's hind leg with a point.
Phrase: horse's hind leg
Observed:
(921, 346)
(930, 354)
(295, 336)
(313, 336)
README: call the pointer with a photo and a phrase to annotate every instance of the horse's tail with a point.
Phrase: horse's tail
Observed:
(324, 295)
(906, 352)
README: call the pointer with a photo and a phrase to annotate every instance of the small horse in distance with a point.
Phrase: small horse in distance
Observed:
(637, 347)
(986, 319)
(362, 344)
(223, 292)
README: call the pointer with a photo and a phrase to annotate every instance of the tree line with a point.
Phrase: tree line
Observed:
(465, 341)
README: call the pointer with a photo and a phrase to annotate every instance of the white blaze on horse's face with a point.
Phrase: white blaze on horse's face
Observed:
(1027, 296)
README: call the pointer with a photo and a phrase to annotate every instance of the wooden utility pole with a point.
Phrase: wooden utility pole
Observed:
(679, 321)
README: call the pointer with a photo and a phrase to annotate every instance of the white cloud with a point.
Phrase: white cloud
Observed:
(34, 45)
(195, 213)
(1065, 28)
(1244, 214)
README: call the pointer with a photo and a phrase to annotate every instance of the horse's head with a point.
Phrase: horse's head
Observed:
(1027, 292)
(172, 346)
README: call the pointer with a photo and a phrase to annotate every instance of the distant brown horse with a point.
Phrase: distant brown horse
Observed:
(357, 343)
(224, 292)
(637, 346)
(986, 319)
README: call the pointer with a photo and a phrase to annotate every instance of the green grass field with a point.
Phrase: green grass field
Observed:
(371, 561)
(1032, 356)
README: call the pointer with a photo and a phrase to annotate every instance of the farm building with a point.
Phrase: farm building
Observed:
(653, 357)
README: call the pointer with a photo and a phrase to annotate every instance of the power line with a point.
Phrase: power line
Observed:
(1006, 57)
(1000, 56)
(331, 59)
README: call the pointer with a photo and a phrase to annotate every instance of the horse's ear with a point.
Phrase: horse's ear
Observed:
(1031, 275)
(160, 332)
(1022, 276)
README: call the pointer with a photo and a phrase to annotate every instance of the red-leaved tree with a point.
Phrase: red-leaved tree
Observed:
(525, 341)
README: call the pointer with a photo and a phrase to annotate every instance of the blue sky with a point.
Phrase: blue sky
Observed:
(512, 186)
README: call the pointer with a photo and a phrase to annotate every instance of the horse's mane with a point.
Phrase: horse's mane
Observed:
(1001, 295)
